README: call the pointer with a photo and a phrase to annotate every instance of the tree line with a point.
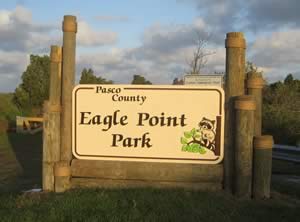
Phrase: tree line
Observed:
(34, 88)
(281, 100)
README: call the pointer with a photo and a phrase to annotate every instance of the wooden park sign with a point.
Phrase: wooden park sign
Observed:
(158, 136)
(148, 123)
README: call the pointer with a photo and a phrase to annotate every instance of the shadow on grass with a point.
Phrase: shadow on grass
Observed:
(28, 152)
(142, 205)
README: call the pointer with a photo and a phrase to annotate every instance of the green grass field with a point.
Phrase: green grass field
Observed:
(20, 169)
(142, 205)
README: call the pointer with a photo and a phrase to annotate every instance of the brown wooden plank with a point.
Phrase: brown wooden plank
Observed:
(147, 171)
(117, 184)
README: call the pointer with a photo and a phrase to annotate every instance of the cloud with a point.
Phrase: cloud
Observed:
(12, 64)
(19, 33)
(161, 57)
(220, 16)
(86, 36)
(110, 18)
(165, 43)
(20, 36)
(277, 49)
(254, 16)
(165, 50)
(277, 53)
(273, 14)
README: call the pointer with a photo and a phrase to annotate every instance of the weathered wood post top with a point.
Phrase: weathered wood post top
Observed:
(235, 40)
(69, 24)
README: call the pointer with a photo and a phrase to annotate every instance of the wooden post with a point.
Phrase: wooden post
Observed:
(55, 101)
(68, 80)
(234, 86)
(51, 153)
(62, 174)
(262, 166)
(245, 106)
(255, 84)
(47, 168)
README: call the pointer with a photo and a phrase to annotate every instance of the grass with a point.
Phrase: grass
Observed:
(141, 205)
(8, 111)
(20, 161)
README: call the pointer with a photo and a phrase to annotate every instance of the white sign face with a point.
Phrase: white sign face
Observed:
(204, 80)
(182, 124)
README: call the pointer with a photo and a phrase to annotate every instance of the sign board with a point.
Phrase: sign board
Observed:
(182, 124)
(204, 80)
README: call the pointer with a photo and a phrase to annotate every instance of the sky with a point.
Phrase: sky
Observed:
(155, 38)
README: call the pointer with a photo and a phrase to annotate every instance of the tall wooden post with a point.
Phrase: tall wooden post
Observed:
(255, 84)
(262, 166)
(62, 169)
(51, 151)
(55, 101)
(245, 107)
(234, 86)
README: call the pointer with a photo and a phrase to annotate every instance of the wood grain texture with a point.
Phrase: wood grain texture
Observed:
(256, 91)
(234, 86)
(262, 166)
(62, 183)
(244, 151)
(262, 173)
(47, 155)
(117, 184)
(147, 171)
(51, 134)
(48, 177)
(68, 81)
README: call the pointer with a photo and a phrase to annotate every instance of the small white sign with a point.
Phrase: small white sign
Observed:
(182, 124)
(204, 80)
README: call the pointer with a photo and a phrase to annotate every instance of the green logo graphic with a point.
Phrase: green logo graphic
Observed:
(191, 142)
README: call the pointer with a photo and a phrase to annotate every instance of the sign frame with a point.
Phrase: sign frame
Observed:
(146, 89)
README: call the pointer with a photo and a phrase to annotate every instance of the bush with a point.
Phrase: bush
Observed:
(281, 111)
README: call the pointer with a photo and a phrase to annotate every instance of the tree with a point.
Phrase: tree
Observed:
(138, 79)
(252, 68)
(177, 81)
(289, 79)
(200, 55)
(34, 88)
(281, 110)
(88, 77)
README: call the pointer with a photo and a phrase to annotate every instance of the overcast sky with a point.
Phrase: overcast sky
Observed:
(156, 38)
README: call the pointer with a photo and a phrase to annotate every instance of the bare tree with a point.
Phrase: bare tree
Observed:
(200, 55)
